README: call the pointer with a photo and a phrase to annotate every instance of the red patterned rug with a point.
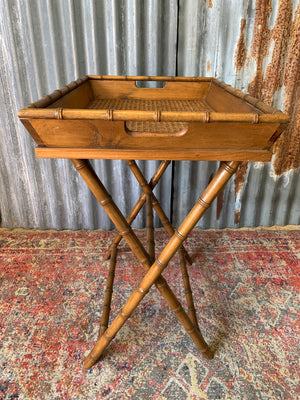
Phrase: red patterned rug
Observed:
(246, 285)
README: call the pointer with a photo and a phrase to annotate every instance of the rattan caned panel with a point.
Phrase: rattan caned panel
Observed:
(152, 105)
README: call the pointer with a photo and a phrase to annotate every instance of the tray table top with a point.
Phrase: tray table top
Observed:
(187, 119)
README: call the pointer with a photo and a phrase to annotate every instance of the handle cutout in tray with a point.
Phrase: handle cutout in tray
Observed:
(150, 84)
(155, 129)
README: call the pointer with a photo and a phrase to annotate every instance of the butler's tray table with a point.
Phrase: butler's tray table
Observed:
(111, 117)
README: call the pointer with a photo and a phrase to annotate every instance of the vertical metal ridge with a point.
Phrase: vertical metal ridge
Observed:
(208, 37)
(48, 43)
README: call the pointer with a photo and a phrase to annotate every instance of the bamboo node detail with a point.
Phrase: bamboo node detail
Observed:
(191, 309)
(141, 290)
(108, 336)
(123, 315)
(206, 116)
(177, 309)
(126, 232)
(80, 164)
(109, 114)
(93, 357)
(203, 203)
(59, 113)
(161, 285)
(157, 116)
(160, 263)
(255, 118)
(227, 167)
(144, 261)
(106, 201)
(180, 235)
(189, 331)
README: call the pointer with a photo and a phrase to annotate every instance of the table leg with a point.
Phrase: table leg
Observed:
(138, 206)
(222, 176)
(183, 255)
(157, 207)
(92, 180)
(150, 228)
(188, 291)
(108, 292)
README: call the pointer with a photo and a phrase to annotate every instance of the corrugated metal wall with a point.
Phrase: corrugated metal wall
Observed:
(46, 44)
(253, 46)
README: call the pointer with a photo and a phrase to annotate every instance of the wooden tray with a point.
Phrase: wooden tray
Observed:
(110, 117)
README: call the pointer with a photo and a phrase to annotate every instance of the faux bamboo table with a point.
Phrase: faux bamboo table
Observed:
(110, 117)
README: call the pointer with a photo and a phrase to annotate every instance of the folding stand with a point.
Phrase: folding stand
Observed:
(190, 118)
(146, 257)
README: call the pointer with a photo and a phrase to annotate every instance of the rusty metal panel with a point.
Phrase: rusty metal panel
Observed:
(252, 45)
(46, 44)
(255, 47)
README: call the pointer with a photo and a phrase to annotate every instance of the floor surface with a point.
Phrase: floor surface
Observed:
(246, 286)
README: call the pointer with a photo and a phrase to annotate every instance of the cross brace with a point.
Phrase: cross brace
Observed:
(154, 267)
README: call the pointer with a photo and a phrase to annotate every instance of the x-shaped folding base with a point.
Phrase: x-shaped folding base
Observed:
(153, 267)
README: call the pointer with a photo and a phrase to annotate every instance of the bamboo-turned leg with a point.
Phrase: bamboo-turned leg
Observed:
(187, 290)
(153, 202)
(92, 180)
(108, 292)
(157, 207)
(222, 176)
(150, 228)
(141, 201)
(150, 238)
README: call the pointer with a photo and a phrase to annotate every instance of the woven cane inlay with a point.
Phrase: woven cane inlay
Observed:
(152, 105)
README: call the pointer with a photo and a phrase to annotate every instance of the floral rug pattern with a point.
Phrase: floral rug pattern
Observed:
(246, 289)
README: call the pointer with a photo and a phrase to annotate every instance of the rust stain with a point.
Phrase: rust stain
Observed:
(260, 43)
(237, 215)
(287, 156)
(208, 66)
(291, 75)
(241, 49)
(239, 179)
(210, 3)
(287, 148)
(279, 36)
(283, 70)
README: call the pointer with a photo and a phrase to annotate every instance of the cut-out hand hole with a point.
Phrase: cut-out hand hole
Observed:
(162, 129)
(150, 84)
